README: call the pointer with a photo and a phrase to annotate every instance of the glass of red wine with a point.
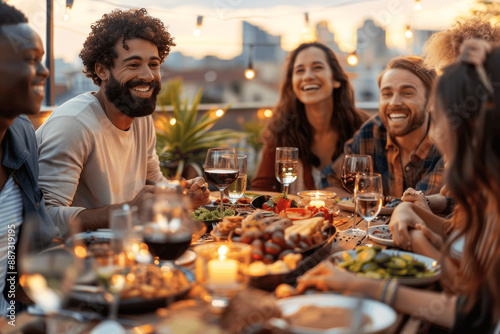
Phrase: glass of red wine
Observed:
(221, 169)
(353, 165)
(169, 231)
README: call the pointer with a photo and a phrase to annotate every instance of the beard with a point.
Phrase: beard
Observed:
(126, 102)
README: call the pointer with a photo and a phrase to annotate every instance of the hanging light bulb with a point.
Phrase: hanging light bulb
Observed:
(408, 32)
(352, 59)
(418, 6)
(69, 5)
(249, 72)
(199, 22)
(307, 30)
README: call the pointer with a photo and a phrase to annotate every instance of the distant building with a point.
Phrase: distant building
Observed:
(325, 36)
(419, 39)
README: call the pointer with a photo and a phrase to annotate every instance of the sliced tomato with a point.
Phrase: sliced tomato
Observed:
(298, 213)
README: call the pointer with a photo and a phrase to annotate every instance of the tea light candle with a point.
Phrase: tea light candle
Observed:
(222, 271)
(317, 203)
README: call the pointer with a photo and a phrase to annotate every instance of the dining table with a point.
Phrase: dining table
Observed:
(194, 305)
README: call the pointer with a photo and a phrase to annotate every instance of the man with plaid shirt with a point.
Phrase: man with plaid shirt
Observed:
(397, 138)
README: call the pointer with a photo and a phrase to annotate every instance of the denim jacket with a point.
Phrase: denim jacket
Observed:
(20, 159)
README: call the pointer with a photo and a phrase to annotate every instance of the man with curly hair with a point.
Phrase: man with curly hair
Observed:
(97, 151)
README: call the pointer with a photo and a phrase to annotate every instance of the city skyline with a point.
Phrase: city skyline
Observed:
(221, 29)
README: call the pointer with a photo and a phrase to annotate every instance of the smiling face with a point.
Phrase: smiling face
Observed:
(22, 74)
(133, 83)
(312, 77)
(403, 102)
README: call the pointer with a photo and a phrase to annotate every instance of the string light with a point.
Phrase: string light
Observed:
(307, 31)
(352, 59)
(199, 22)
(418, 6)
(69, 5)
(173, 121)
(249, 72)
(408, 32)
(219, 113)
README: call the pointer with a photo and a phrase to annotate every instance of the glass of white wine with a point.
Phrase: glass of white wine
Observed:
(369, 194)
(238, 187)
(287, 166)
(47, 272)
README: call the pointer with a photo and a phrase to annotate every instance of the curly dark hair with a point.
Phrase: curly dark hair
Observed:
(289, 125)
(11, 15)
(99, 47)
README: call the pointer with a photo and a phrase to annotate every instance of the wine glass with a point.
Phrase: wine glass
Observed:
(112, 265)
(354, 164)
(369, 193)
(221, 169)
(287, 166)
(47, 271)
(238, 187)
(169, 232)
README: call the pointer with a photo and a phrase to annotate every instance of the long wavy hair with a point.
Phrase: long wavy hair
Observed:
(474, 170)
(289, 125)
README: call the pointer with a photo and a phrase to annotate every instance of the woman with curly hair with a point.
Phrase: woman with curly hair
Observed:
(315, 113)
(466, 130)
(97, 151)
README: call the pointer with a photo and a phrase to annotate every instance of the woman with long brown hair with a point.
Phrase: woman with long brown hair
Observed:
(466, 129)
(315, 113)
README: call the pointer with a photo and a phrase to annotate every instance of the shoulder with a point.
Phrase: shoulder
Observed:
(372, 126)
(23, 128)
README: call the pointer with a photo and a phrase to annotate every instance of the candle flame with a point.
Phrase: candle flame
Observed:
(222, 252)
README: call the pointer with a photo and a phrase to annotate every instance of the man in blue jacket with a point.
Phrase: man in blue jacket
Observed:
(22, 82)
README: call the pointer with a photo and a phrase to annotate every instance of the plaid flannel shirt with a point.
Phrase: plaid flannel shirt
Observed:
(424, 171)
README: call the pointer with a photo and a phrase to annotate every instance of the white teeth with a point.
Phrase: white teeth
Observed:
(310, 87)
(142, 90)
(40, 89)
(398, 117)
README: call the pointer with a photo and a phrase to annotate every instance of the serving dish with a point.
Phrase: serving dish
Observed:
(381, 315)
(430, 264)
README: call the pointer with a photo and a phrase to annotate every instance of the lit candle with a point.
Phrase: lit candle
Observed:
(222, 271)
(317, 203)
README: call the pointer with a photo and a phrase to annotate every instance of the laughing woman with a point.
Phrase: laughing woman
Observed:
(315, 113)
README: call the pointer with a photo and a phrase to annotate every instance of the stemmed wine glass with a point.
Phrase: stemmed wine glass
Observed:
(47, 272)
(287, 166)
(169, 231)
(354, 164)
(238, 187)
(369, 193)
(221, 169)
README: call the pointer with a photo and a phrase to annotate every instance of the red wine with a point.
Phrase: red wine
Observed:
(168, 247)
(221, 177)
(348, 181)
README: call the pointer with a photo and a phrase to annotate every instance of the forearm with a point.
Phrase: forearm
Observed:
(435, 223)
(93, 219)
(434, 307)
(438, 203)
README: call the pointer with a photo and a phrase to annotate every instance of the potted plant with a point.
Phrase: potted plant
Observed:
(183, 139)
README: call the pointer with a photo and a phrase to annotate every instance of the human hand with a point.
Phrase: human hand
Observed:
(474, 51)
(402, 220)
(435, 239)
(325, 276)
(197, 190)
(416, 197)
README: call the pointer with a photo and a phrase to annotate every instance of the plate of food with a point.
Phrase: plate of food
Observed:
(381, 234)
(377, 263)
(210, 215)
(314, 314)
(149, 288)
(347, 204)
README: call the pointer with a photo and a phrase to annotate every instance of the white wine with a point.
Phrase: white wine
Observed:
(47, 278)
(286, 171)
(236, 189)
(369, 205)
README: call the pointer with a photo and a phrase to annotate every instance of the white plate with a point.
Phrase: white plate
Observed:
(431, 264)
(186, 259)
(381, 315)
(381, 241)
(348, 206)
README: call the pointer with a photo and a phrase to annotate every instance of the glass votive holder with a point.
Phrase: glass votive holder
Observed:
(221, 268)
(317, 198)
